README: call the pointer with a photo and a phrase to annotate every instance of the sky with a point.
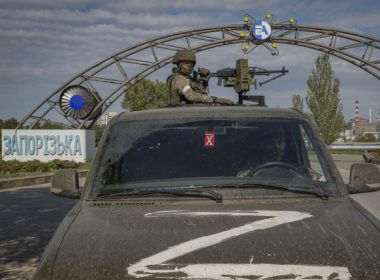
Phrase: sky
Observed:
(43, 43)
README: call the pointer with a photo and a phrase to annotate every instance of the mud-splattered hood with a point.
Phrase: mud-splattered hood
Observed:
(242, 239)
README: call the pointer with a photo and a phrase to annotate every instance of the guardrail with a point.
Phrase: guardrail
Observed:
(355, 146)
(6, 183)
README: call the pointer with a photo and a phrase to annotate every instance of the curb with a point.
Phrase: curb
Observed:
(32, 180)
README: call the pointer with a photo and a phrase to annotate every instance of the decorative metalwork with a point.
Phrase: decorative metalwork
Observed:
(260, 34)
(77, 102)
(136, 62)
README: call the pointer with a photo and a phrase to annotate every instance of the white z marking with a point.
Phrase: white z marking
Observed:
(157, 266)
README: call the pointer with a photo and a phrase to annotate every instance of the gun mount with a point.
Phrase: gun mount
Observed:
(242, 77)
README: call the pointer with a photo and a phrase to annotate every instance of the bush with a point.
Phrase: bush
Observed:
(8, 168)
(369, 137)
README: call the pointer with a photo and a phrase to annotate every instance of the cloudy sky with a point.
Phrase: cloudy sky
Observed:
(43, 43)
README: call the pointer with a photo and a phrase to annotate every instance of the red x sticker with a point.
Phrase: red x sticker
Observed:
(209, 140)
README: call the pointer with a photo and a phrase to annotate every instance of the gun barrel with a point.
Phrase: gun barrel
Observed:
(228, 72)
(253, 71)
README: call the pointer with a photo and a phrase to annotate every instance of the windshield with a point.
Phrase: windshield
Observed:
(199, 151)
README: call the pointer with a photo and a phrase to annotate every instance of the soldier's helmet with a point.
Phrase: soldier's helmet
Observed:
(184, 55)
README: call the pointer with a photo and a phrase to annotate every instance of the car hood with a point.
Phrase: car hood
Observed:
(243, 239)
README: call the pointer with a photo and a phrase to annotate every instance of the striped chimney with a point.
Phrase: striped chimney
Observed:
(357, 111)
(356, 116)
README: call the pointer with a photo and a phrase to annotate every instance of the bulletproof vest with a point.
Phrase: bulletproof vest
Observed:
(174, 97)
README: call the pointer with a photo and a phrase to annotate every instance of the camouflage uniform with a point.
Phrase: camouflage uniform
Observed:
(181, 91)
(182, 88)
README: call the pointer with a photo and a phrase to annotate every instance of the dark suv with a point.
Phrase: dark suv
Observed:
(199, 192)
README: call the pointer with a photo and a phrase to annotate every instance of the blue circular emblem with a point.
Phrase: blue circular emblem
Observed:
(76, 102)
(261, 30)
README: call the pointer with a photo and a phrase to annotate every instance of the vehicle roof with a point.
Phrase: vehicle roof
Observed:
(210, 111)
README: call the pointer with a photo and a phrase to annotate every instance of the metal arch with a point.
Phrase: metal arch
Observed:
(343, 44)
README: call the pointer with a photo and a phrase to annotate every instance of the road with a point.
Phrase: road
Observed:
(30, 215)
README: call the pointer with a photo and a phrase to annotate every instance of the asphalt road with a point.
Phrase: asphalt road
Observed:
(30, 215)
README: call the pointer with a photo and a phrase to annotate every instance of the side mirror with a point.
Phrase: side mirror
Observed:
(364, 177)
(65, 183)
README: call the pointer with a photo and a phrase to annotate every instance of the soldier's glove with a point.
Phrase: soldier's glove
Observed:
(224, 101)
(203, 72)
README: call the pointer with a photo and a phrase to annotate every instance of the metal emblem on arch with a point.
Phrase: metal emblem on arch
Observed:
(78, 102)
(261, 30)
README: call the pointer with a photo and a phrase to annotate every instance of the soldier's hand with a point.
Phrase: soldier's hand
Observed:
(203, 72)
(224, 101)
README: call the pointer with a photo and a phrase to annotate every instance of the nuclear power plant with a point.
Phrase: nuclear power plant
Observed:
(359, 126)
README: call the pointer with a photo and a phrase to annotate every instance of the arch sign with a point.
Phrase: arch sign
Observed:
(261, 30)
(82, 99)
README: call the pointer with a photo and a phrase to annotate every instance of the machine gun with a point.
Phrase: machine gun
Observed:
(241, 77)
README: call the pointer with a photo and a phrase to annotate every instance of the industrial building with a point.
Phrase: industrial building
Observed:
(360, 126)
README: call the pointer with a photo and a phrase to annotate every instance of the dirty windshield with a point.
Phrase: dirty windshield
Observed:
(187, 152)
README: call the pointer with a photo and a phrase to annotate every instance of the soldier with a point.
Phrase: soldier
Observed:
(269, 148)
(182, 88)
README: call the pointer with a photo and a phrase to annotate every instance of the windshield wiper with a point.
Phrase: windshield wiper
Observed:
(318, 191)
(188, 191)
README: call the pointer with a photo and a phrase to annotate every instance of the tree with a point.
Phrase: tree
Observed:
(8, 124)
(99, 129)
(146, 94)
(323, 99)
(297, 102)
(49, 125)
